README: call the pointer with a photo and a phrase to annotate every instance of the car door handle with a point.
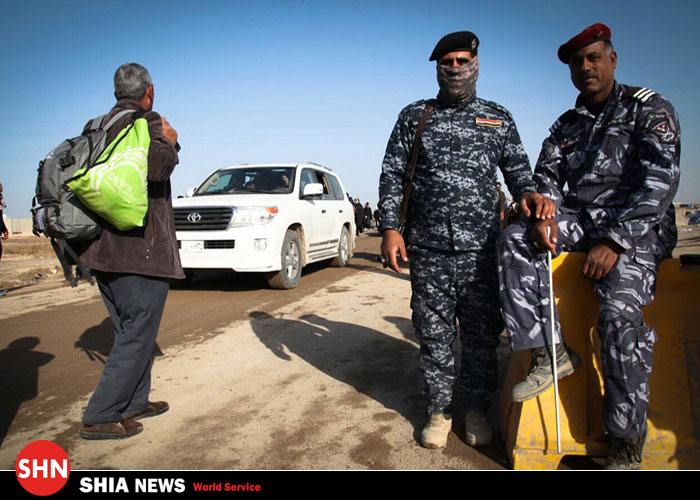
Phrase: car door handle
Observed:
(323, 211)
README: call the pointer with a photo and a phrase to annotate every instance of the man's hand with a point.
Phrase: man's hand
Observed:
(600, 259)
(5, 235)
(538, 205)
(392, 242)
(168, 132)
(544, 239)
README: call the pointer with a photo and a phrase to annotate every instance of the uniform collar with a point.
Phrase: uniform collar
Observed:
(447, 105)
(612, 102)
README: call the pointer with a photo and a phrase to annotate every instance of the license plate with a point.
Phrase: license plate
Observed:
(192, 246)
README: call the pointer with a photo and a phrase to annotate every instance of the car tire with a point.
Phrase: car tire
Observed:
(343, 257)
(290, 274)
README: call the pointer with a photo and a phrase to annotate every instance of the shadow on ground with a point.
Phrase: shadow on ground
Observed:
(377, 365)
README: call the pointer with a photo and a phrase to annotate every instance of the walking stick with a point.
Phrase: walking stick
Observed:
(554, 348)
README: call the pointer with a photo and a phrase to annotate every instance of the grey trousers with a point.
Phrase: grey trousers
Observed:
(627, 343)
(135, 303)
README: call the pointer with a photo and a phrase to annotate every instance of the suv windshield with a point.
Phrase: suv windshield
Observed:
(277, 180)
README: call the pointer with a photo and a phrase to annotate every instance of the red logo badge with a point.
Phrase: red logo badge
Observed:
(42, 468)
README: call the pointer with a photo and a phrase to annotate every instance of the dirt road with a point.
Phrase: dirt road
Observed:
(320, 377)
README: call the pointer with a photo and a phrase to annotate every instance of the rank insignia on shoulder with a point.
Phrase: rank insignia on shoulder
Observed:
(485, 122)
(644, 94)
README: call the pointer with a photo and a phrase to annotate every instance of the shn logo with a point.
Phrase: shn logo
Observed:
(42, 468)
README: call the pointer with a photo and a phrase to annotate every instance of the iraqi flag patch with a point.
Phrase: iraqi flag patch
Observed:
(485, 122)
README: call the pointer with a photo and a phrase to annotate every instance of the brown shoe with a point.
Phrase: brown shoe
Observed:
(113, 430)
(153, 409)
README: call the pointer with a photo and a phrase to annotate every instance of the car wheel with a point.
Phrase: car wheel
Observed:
(288, 277)
(343, 257)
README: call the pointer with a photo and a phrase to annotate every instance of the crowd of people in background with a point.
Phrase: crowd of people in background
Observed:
(365, 218)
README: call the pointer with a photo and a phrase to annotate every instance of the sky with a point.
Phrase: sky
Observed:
(272, 81)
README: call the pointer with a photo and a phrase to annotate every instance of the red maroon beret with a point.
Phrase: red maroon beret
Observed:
(590, 35)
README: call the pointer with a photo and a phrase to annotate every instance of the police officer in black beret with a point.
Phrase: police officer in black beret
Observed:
(451, 231)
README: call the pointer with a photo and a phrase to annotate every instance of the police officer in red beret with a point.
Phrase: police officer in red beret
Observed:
(611, 165)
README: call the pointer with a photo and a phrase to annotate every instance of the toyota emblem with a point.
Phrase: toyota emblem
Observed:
(194, 217)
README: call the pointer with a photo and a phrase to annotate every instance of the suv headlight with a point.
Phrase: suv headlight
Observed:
(252, 216)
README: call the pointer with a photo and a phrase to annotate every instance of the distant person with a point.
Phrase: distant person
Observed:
(359, 216)
(133, 270)
(377, 217)
(611, 165)
(512, 214)
(4, 233)
(501, 205)
(451, 233)
(367, 216)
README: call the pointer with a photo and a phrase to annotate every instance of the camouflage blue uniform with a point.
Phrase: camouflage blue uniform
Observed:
(451, 236)
(621, 169)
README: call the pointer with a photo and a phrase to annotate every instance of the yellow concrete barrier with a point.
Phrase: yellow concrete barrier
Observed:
(673, 438)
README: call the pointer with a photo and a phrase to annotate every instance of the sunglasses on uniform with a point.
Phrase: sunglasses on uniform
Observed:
(449, 61)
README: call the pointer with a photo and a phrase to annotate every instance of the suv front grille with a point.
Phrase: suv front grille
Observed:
(215, 244)
(202, 219)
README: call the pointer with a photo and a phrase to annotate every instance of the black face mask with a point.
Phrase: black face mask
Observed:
(458, 84)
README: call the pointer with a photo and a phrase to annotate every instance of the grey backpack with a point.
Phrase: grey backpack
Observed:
(56, 211)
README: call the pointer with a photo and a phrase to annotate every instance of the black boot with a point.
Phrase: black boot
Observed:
(626, 454)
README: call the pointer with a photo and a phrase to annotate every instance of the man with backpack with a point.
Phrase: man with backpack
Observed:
(133, 269)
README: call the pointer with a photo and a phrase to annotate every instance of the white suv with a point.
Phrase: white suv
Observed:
(273, 219)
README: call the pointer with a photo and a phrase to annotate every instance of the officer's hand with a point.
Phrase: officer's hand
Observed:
(538, 205)
(168, 132)
(5, 235)
(544, 239)
(600, 259)
(392, 242)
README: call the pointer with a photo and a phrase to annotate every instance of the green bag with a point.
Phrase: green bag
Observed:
(116, 186)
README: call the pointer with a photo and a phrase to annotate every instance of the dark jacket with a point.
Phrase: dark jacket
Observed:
(151, 250)
(620, 168)
(453, 204)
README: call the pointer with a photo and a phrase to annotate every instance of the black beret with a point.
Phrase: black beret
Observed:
(460, 40)
(590, 35)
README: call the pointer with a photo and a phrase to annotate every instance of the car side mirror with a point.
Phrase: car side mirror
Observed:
(312, 189)
(190, 192)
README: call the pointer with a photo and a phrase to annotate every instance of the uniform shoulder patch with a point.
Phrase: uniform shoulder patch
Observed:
(662, 126)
